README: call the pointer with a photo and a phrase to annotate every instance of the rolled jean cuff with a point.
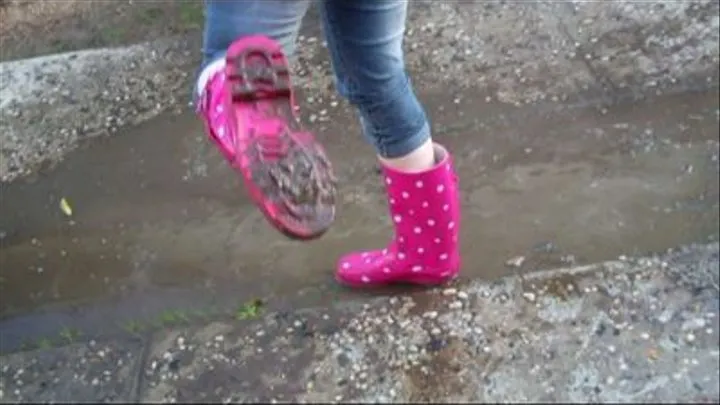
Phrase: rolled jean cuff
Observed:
(398, 149)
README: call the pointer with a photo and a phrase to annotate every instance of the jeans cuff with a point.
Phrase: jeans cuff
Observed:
(407, 145)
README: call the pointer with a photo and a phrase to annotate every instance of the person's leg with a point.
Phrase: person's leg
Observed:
(365, 41)
(244, 93)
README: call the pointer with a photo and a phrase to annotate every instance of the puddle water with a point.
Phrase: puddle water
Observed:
(160, 222)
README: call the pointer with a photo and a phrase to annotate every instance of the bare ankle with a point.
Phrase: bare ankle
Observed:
(419, 160)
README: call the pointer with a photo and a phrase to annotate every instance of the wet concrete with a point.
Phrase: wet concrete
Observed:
(639, 330)
(160, 222)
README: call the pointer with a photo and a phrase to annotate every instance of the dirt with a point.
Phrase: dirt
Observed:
(37, 27)
(161, 226)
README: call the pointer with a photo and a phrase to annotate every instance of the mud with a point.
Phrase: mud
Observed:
(303, 183)
(160, 222)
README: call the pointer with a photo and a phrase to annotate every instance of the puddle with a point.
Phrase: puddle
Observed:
(160, 222)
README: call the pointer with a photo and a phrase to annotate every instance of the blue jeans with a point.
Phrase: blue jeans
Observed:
(365, 40)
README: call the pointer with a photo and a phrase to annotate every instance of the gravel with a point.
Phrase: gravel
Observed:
(619, 331)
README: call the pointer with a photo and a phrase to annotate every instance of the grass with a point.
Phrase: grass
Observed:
(191, 14)
(174, 317)
(249, 310)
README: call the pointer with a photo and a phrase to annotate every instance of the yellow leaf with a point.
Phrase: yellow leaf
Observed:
(65, 207)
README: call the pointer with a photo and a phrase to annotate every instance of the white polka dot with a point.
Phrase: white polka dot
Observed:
(365, 279)
(444, 274)
(446, 207)
(417, 229)
(416, 269)
(397, 219)
(418, 184)
(368, 261)
(401, 239)
(437, 240)
(443, 256)
(388, 180)
(440, 188)
(411, 212)
(430, 222)
(421, 250)
(221, 131)
(346, 266)
(401, 256)
(386, 270)
(425, 204)
(392, 201)
(451, 225)
(405, 195)
(219, 108)
(384, 251)
(364, 254)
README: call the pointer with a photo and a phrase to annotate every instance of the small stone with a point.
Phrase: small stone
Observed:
(516, 261)
(690, 337)
(529, 296)
(456, 305)
(449, 291)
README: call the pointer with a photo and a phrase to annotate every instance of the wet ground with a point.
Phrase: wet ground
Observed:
(160, 224)
(638, 330)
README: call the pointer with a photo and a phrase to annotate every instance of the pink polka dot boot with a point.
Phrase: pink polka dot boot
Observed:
(425, 210)
(249, 110)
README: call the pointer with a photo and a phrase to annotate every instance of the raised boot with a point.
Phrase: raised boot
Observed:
(425, 210)
(247, 103)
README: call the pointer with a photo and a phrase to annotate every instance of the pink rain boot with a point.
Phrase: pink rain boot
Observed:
(249, 111)
(425, 209)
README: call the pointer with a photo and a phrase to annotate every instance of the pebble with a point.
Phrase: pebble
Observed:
(516, 261)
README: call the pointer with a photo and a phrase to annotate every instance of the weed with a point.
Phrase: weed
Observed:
(249, 310)
(173, 317)
(69, 334)
(44, 343)
(134, 327)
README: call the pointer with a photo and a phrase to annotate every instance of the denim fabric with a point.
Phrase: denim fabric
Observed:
(365, 41)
